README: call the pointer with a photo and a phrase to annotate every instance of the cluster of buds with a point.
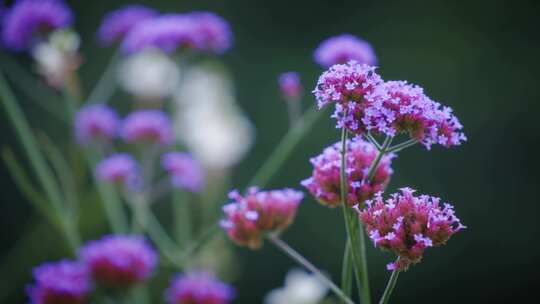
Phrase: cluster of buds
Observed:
(250, 217)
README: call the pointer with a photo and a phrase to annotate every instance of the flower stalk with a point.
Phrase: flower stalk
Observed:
(390, 286)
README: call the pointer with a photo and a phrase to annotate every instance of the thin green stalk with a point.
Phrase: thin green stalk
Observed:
(105, 86)
(182, 217)
(403, 145)
(377, 160)
(280, 244)
(346, 273)
(389, 287)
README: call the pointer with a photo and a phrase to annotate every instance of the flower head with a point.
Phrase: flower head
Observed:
(290, 86)
(198, 287)
(249, 217)
(404, 108)
(118, 168)
(65, 282)
(202, 31)
(184, 170)
(343, 48)
(119, 260)
(325, 181)
(118, 23)
(147, 125)
(406, 225)
(96, 122)
(26, 20)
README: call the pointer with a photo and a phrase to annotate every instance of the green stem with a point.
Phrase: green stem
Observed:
(104, 88)
(280, 244)
(346, 273)
(403, 145)
(377, 160)
(182, 217)
(389, 287)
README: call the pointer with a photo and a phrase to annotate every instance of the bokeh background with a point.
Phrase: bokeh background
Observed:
(480, 57)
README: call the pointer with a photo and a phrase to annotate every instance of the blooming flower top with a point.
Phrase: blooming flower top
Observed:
(290, 86)
(408, 224)
(202, 31)
(198, 287)
(96, 122)
(118, 23)
(325, 181)
(147, 125)
(259, 212)
(118, 168)
(404, 108)
(184, 170)
(119, 260)
(26, 20)
(60, 282)
(343, 48)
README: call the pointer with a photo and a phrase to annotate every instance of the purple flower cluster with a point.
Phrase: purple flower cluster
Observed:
(202, 31)
(408, 224)
(198, 287)
(119, 168)
(119, 260)
(364, 102)
(342, 49)
(96, 122)
(290, 86)
(325, 181)
(147, 125)
(249, 217)
(60, 282)
(26, 20)
(185, 172)
(118, 23)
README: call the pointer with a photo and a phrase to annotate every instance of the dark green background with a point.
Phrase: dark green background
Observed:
(480, 57)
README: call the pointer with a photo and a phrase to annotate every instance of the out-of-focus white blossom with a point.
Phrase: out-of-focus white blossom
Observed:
(300, 288)
(208, 119)
(149, 75)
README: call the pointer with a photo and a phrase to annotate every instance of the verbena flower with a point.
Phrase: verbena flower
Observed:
(198, 287)
(343, 48)
(290, 86)
(404, 108)
(147, 125)
(119, 168)
(118, 23)
(96, 122)
(25, 22)
(119, 260)
(351, 87)
(406, 225)
(65, 282)
(201, 31)
(249, 217)
(325, 182)
(185, 171)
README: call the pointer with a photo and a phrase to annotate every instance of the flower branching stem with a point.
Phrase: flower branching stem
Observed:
(390, 286)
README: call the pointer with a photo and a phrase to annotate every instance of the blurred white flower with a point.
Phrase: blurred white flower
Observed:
(208, 119)
(149, 75)
(300, 288)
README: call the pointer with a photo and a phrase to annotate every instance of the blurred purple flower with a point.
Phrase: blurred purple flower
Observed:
(185, 171)
(118, 23)
(96, 122)
(290, 86)
(118, 168)
(343, 48)
(26, 20)
(147, 125)
(198, 287)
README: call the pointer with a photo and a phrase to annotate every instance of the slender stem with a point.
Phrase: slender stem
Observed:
(377, 160)
(346, 273)
(182, 217)
(403, 145)
(305, 263)
(104, 88)
(389, 287)
(294, 109)
(373, 140)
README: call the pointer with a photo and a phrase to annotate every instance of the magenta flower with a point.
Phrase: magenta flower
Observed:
(147, 125)
(201, 31)
(404, 108)
(119, 260)
(325, 181)
(65, 282)
(198, 287)
(249, 217)
(343, 48)
(26, 20)
(118, 168)
(118, 23)
(96, 122)
(406, 225)
(290, 86)
(185, 172)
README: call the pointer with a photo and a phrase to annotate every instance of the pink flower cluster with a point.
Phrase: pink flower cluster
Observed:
(147, 125)
(185, 171)
(364, 102)
(290, 86)
(325, 181)
(342, 48)
(249, 217)
(199, 287)
(406, 225)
